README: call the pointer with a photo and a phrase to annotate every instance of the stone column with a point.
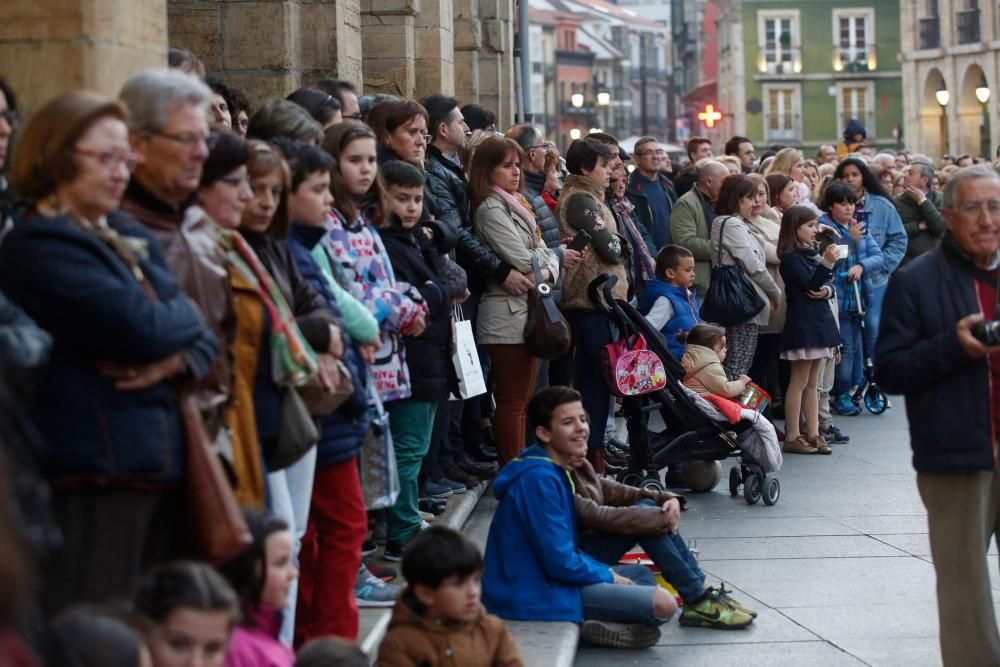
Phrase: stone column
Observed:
(496, 60)
(52, 47)
(468, 40)
(435, 62)
(330, 40)
(388, 42)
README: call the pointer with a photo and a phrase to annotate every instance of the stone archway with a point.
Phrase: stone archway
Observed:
(933, 116)
(973, 116)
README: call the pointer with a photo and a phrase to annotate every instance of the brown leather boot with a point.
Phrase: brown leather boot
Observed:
(596, 458)
(799, 446)
(819, 443)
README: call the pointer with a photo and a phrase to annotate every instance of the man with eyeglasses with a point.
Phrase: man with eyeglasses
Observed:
(929, 350)
(168, 130)
(647, 183)
(919, 208)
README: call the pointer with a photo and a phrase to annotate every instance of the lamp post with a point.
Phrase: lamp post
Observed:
(574, 134)
(983, 95)
(943, 97)
(604, 101)
(576, 99)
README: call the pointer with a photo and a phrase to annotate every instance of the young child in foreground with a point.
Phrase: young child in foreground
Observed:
(668, 302)
(439, 619)
(702, 361)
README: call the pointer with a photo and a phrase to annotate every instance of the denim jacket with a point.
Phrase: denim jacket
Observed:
(886, 227)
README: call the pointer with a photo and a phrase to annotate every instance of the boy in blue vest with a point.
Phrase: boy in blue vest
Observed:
(668, 302)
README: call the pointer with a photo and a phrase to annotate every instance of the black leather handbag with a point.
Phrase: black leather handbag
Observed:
(731, 298)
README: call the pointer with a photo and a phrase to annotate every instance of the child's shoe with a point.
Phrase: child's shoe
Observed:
(714, 611)
(799, 446)
(819, 443)
(834, 436)
(843, 405)
(370, 591)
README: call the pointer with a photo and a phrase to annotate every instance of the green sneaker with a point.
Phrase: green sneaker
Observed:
(723, 593)
(714, 612)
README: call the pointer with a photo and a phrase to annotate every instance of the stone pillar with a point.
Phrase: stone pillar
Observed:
(435, 62)
(330, 40)
(496, 60)
(52, 47)
(468, 40)
(268, 49)
(388, 42)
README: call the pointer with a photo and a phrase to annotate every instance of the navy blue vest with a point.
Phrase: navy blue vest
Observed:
(685, 312)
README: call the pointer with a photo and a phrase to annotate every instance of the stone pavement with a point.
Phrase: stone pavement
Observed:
(839, 569)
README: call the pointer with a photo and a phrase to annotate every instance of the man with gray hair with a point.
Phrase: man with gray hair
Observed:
(168, 130)
(691, 219)
(931, 349)
(919, 208)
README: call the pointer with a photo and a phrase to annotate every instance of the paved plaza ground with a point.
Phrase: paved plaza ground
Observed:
(840, 569)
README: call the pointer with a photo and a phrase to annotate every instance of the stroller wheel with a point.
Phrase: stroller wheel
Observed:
(752, 487)
(875, 400)
(653, 484)
(734, 481)
(772, 491)
(630, 478)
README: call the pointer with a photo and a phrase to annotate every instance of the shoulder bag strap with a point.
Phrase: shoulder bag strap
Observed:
(544, 293)
(722, 231)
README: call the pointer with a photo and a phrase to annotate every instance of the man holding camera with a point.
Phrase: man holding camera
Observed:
(934, 349)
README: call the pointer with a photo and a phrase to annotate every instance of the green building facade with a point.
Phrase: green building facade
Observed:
(810, 66)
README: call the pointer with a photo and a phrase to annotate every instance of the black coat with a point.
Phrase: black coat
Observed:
(947, 393)
(447, 192)
(428, 356)
(809, 322)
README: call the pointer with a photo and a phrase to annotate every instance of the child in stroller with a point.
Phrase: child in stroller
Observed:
(694, 430)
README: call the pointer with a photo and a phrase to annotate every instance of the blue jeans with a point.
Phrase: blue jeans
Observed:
(873, 314)
(591, 333)
(668, 552)
(850, 370)
(617, 603)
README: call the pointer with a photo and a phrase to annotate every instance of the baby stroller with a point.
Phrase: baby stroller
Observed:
(874, 399)
(690, 434)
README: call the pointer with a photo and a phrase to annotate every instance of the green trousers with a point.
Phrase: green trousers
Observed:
(410, 423)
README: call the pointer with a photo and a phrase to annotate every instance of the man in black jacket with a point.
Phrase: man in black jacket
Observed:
(951, 379)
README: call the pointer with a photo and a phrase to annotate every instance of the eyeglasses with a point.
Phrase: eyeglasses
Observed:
(992, 207)
(427, 139)
(351, 116)
(659, 153)
(110, 159)
(11, 117)
(546, 145)
(187, 139)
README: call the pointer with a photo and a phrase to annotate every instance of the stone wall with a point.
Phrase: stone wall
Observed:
(48, 47)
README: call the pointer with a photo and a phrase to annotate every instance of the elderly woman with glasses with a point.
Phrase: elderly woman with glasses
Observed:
(124, 337)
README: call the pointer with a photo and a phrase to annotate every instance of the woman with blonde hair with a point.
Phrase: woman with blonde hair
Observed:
(791, 163)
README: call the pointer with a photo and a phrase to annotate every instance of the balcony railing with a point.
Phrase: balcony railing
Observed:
(780, 60)
(856, 59)
(968, 26)
(569, 110)
(930, 32)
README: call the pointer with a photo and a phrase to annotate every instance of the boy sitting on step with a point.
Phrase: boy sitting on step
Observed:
(438, 619)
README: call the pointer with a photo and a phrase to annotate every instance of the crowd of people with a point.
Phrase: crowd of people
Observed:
(283, 281)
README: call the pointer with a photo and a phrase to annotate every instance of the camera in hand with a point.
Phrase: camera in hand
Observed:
(986, 332)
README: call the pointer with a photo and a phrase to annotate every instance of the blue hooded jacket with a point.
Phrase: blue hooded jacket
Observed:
(864, 252)
(533, 569)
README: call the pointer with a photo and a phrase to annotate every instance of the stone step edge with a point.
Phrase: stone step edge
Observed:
(456, 516)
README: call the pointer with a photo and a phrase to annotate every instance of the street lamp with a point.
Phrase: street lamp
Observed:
(574, 134)
(576, 99)
(983, 94)
(604, 99)
(943, 96)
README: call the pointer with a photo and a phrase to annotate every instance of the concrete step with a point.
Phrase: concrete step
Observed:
(374, 621)
(542, 644)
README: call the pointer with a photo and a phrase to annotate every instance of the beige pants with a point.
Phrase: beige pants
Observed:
(963, 515)
(824, 385)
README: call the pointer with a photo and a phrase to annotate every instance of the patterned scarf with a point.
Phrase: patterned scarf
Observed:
(644, 259)
(293, 361)
(520, 205)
